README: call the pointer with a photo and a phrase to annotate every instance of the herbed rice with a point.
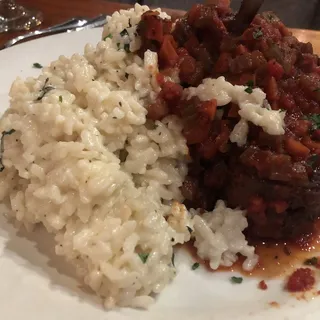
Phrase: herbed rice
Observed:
(84, 161)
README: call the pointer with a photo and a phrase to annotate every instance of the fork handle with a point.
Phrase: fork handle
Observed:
(68, 25)
(73, 24)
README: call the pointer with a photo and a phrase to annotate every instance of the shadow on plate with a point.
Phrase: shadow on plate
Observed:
(35, 252)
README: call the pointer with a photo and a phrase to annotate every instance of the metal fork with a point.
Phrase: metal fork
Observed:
(74, 24)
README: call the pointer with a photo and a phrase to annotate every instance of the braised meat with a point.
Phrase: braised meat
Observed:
(274, 177)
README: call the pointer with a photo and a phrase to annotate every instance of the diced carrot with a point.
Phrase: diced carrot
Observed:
(167, 26)
(279, 206)
(264, 45)
(187, 66)
(247, 35)
(171, 92)
(196, 134)
(168, 55)
(160, 79)
(275, 69)
(275, 105)
(209, 108)
(191, 44)
(258, 59)
(284, 30)
(213, 144)
(296, 148)
(256, 205)
(154, 31)
(157, 110)
(287, 102)
(194, 13)
(272, 90)
(312, 145)
(300, 127)
(220, 3)
(225, 147)
(208, 148)
(182, 52)
(150, 13)
(241, 49)
(222, 65)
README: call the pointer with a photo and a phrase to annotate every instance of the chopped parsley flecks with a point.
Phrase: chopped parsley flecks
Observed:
(108, 36)
(195, 266)
(248, 90)
(311, 262)
(37, 65)
(236, 280)
(124, 32)
(144, 257)
(312, 160)
(44, 90)
(250, 85)
(4, 133)
(60, 99)
(315, 120)
(257, 34)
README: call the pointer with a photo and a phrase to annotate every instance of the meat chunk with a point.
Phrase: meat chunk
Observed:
(157, 110)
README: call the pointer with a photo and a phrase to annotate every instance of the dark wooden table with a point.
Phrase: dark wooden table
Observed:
(57, 11)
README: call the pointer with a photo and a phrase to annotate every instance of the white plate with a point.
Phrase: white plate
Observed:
(37, 285)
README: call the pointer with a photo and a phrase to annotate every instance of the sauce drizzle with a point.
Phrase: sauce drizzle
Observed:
(276, 258)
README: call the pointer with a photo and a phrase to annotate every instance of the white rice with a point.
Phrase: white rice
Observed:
(253, 106)
(84, 162)
(219, 237)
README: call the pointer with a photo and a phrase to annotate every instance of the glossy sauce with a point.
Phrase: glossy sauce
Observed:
(275, 258)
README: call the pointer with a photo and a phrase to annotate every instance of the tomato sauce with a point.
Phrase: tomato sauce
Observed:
(301, 280)
(276, 258)
(262, 285)
(276, 178)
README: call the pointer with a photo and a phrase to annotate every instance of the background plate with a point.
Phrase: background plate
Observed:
(35, 284)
